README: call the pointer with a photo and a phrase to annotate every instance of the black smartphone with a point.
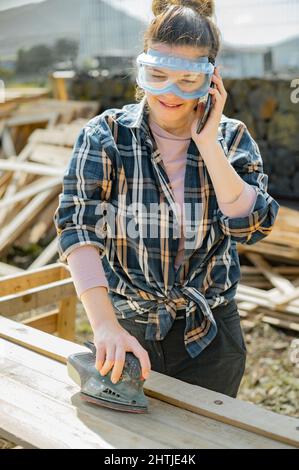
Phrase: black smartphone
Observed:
(203, 120)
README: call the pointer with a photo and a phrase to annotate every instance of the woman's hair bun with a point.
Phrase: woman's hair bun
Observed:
(203, 7)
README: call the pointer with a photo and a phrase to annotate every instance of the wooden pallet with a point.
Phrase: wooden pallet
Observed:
(41, 407)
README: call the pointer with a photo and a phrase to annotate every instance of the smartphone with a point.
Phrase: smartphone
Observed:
(203, 120)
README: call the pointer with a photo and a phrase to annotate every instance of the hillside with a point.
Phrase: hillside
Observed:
(45, 22)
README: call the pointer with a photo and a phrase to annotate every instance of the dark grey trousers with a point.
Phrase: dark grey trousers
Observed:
(219, 367)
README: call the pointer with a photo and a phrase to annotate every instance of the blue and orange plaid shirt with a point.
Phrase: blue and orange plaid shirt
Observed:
(116, 165)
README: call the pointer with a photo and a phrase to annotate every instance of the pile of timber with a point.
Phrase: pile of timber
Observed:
(17, 124)
(31, 180)
(269, 285)
(10, 98)
(282, 244)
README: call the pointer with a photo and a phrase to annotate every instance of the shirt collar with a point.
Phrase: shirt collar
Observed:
(133, 114)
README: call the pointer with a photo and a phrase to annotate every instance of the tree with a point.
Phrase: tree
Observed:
(65, 49)
(35, 59)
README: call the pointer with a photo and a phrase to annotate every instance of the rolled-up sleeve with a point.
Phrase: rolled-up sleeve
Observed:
(244, 155)
(80, 218)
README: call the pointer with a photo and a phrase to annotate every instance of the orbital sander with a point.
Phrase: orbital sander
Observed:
(125, 395)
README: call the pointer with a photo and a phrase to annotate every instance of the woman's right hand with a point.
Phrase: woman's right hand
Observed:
(112, 341)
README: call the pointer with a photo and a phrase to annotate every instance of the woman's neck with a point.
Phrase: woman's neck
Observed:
(178, 130)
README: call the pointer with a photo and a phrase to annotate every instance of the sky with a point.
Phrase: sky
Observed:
(241, 22)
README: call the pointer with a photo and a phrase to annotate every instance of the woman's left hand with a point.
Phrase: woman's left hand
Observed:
(209, 133)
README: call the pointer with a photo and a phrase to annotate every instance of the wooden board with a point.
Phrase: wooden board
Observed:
(188, 403)
(40, 405)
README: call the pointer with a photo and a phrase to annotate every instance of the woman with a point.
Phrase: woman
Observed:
(151, 212)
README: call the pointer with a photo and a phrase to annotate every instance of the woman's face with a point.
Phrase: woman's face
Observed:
(183, 114)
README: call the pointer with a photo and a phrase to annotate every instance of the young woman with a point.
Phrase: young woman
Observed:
(151, 212)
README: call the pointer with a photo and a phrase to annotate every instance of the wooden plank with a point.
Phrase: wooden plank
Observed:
(283, 300)
(33, 168)
(7, 108)
(41, 229)
(261, 298)
(283, 284)
(7, 143)
(56, 136)
(31, 118)
(35, 340)
(283, 270)
(285, 321)
(275, 251)
(25, 217)
(7, 269)
(31, 190)
(47, 424)
(225, 409)
(66, 320)
(51, 155)
(281, 322)
(16, 94)
(17, 179)
(46, 322)
(58, 426)
(4, 182)
(205, 402)
(36, 297)
(171, 426)
(46, 256)
(18, 282)
(16, 440)
(274, 295)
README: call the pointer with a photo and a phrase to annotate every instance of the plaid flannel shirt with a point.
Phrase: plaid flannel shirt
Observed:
(115, 164)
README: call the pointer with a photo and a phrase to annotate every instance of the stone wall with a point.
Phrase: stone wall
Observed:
(272, 118)
(265, 106)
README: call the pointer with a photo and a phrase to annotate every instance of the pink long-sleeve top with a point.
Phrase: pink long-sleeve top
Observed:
(85, 263)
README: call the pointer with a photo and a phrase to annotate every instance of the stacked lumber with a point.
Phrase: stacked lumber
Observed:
(17, 126)
(269, 286)
(31, 180)
(12, 97)
(282, 243)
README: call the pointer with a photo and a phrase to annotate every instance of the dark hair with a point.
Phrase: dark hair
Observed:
(182, 22)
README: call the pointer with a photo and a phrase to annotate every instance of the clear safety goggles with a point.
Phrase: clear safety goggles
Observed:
(161, 73)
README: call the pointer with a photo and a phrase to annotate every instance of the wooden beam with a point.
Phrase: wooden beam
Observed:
(25, 217)
(283, 284)
(37, 297)
(31, 190)
(17, 177)
(27, 279)
(204, 402)
(47, 254)
(46, 322)
(8, 269)
(33, 168)
(261, 298)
